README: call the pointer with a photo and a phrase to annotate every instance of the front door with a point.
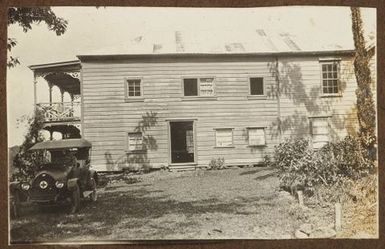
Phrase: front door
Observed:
(182, 141)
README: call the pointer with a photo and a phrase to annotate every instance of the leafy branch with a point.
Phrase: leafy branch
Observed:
(25, 18)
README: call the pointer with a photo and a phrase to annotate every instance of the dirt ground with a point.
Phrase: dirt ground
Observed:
(219, 204)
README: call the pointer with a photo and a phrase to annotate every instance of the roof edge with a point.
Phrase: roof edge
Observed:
(181, 55)
(54, 64)
(62, 144)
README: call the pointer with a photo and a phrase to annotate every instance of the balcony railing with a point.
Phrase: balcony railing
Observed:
(60, 111)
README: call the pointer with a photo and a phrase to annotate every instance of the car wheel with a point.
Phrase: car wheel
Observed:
(94, 194)
(15, 205)
(75, 200)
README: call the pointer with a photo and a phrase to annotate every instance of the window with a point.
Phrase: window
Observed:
(190, 141)
(257, 136)
(224, 137)
(133, 88)
(135, 141)
(190, 87)
(47, 157)
(256, 86)
(320, 131)
(198, 87)
(330, 78)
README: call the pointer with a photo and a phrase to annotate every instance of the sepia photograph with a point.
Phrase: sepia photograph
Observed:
(132, 124)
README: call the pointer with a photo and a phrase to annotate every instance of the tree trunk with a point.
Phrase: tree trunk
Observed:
(365, 104)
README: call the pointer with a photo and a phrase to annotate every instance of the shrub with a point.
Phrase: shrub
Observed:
(300, 166)
(217, 163)
(362, 191)
(349, 156)
(267, 161)
(288, 158)
(26, 161)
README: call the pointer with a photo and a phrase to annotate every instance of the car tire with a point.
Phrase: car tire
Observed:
(75, 200)
(94, 194)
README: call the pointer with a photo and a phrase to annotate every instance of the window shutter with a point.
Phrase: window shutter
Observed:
(224, 137)
(320, 132)
(206, 86)
(135, 141)
(257, 136)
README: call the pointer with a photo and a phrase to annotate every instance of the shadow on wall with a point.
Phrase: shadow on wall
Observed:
(304, 101)
(348, 122)
(138, 160)
(261, 150)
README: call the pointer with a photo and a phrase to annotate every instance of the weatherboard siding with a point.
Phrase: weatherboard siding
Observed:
(302, 98)
(107, 117)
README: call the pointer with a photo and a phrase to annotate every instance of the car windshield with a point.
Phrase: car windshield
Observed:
(63, 158)
(59, 158)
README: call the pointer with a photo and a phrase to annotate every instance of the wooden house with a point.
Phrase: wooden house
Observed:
(182, 102)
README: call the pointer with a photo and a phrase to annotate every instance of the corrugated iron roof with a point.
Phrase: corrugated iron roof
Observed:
(218, 42)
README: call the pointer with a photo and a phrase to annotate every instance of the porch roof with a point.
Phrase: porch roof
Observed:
(64, 74)
(63, 65)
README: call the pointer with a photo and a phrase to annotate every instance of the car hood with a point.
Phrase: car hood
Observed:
(55, 173)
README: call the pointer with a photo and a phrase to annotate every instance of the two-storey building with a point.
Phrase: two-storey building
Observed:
(182, 103)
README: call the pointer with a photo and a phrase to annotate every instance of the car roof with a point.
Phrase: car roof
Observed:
(62, 144)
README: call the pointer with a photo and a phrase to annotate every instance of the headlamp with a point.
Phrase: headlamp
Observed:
(25, 186)
(59, 184)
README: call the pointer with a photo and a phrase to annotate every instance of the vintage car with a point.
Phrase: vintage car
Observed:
(63, 177)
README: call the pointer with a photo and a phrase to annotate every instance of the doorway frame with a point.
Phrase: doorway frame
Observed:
(194, 121)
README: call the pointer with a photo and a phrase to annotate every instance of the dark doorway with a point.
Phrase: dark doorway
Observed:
(182, 142)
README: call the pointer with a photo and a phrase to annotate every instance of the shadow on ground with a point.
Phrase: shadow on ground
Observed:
(137, 208)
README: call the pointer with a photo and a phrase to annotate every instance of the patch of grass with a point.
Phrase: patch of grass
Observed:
(242, 203)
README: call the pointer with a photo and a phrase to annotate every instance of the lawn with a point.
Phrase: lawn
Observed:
(218, 204)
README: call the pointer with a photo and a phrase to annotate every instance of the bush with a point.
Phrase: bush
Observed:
(217, 163)
(26, 161)
(349, 155)
(361, 191)
(301, 166)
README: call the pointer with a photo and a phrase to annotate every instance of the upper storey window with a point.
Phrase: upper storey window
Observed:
(257, 86)
(133, 90)
(198, 86)
(330, 78)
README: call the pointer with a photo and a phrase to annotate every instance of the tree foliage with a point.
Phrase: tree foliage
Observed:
(25, 17)
(25, 161)
(365, 104)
